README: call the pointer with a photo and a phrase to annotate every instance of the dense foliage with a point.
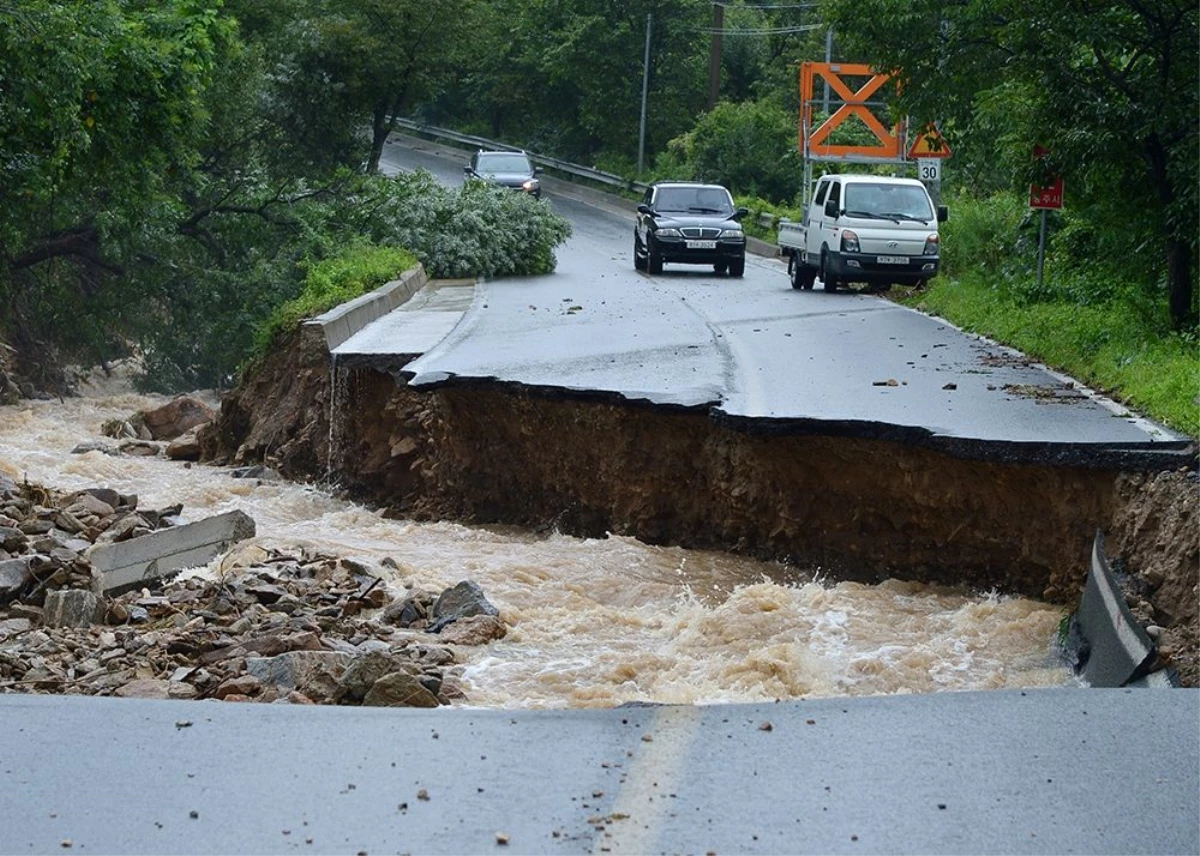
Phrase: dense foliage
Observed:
(1109, 88)
(169, 169)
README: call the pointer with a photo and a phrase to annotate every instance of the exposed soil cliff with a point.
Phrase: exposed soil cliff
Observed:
(860, 509)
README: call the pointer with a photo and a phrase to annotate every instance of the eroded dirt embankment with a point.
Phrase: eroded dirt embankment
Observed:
(859, 509)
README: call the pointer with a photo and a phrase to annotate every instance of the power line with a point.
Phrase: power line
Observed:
(767, 6)
(765, 31)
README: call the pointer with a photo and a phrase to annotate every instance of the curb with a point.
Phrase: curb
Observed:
(340, 323)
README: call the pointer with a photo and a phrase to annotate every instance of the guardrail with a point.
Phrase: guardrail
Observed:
(584, 172)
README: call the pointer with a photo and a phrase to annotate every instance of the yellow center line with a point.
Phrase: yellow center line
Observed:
(644, 799)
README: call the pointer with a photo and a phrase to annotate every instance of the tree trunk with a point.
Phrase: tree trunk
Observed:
(1179, 253)
(383, 122)
(1179, 283)
(381, 126)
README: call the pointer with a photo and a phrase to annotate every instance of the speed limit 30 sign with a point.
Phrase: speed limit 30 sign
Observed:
(929, 169)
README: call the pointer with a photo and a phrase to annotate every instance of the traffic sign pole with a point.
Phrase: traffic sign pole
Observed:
(1044, 197)
(1042, 248)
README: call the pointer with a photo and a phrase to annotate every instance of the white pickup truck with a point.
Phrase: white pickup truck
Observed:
(864, 228)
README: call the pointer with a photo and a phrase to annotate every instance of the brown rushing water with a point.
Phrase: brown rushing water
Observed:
(594, 622)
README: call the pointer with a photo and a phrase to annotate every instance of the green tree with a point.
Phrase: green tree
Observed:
(385, 55)
(749, 146)
(1110, 87)
(100, 103)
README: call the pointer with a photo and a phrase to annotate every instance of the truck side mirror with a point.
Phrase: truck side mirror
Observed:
(831, 208)
(467, 170)
(537, 170)
(943, 213)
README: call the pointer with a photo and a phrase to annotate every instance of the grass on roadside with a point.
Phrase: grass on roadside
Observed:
(360, 268)
(1109, 346)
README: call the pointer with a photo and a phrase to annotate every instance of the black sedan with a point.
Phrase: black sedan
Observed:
(690, 223)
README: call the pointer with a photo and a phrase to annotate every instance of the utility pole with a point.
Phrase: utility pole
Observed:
(828, 58)
(645, 86)
(714, 62)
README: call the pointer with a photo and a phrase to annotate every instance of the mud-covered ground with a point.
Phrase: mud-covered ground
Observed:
(859, 509)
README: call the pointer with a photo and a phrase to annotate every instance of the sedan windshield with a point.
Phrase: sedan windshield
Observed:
(694, 200)
(888, 201)
(503, 162)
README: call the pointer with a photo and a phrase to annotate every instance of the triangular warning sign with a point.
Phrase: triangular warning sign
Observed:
(929, 143)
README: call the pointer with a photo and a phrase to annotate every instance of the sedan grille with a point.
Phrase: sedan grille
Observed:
(700, 232)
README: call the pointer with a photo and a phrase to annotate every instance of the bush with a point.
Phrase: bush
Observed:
(749, 147)
(478, 230)
(358, 269)
(984, 235)
(757, 208)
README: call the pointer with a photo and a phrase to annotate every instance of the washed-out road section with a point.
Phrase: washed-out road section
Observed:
(1037, 771)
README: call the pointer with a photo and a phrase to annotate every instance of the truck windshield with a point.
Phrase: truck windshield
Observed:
(888, 201)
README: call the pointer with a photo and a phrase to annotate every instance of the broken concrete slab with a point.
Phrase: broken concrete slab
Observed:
(1163, 679)
(126, 565)
(1115, 649)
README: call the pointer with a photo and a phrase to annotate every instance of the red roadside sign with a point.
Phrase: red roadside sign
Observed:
(1050, 194)
(1046, 195)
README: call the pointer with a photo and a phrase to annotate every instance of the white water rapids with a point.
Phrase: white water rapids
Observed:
(592, 622)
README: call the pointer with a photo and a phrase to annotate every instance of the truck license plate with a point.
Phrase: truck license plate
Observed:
(702, 245)
(893, 260)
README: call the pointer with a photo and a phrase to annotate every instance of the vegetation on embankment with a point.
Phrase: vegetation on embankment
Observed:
(1103, 323)
(358, 269)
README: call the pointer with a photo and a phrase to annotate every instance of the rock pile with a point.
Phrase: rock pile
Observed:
(301, 627)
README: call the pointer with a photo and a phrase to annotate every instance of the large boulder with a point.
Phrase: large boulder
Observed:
(400, 689)
(314, 673)
(462, 600)
(176, 417)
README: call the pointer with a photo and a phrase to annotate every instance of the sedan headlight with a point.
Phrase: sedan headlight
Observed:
(931, 245)
(669, 233)
(732, 233)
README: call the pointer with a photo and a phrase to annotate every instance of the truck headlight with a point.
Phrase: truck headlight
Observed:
(849, 241)
(531, 185)
(931, 245)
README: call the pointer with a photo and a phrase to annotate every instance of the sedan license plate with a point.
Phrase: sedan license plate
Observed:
(893, 260)
(701, 245)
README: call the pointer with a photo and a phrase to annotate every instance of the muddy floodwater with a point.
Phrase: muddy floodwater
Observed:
(594, 622)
